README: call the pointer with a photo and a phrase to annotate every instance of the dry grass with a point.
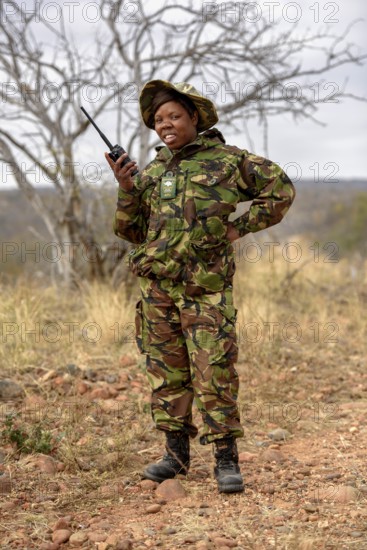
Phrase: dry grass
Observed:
(301, 328)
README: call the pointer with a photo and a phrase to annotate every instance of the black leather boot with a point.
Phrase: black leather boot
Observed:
(175, 461)
(227, 471)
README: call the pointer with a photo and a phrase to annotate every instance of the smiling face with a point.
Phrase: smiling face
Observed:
(174, 125)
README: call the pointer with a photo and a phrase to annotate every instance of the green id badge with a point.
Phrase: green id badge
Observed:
(168, 187)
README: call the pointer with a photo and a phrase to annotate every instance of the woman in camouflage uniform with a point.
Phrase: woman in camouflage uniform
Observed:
(176, 210)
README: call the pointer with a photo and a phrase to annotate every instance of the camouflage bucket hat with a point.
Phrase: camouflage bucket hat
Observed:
(206, 109)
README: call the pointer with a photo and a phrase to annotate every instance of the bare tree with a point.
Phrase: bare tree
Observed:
(36, 97)
(243, 61)
(236, 54)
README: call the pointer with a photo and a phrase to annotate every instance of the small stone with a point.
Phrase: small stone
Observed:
(77, 539)
(61, 535)
(148, 485)
(356, 534)
(153, 508)
(82, 387)
(127, 361)
(191, 538)
(73, 370)
(90, 374)
(311, 508)
(333, 475)
(221, 542)
(49, 546)
(124, 544)
(41, 462)
(97, 536)
(169, 530)
(305, 471)
(268, 490)
(111, 378)
(272, 455)
(246, 457)
(284, 529)
(346, 494)
(108, 461)
(10, 389)
(100, 393)
(61, 523)
(259, 443)
(6, 485)
(171, 489)
(279, 434)
(8, 505)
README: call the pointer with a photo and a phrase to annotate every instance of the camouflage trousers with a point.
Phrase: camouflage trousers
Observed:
(190, 344)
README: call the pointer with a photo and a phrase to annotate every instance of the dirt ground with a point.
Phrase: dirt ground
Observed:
(303, 460)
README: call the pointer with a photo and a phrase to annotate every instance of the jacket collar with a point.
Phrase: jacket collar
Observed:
(206, 140)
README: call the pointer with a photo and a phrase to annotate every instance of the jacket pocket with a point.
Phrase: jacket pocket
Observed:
(211, 266)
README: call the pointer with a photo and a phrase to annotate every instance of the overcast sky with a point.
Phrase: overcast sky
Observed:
(336, 150)
(342, 144)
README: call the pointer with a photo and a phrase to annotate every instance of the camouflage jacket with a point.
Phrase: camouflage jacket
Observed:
(177, 212)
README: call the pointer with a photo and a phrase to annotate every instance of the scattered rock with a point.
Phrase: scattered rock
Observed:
(334, 493)
(148, 485)
(90, 374)
(169, 530)
(279, 434)
(124, 544)
(73, 370)
(272, 455)
(61, 535)
(191, 538)
(311, 508)
(97, 536)
(153, 508)
(171, 489)
(77, 539)
(62, 523)
(6, 485)
(108, 461)
(284, 529)
(49, 546)
(9, 505)
(246, 457)
(333, 475)
(356, 534)
(82, 387)
(221, 542)
(346, 493)
(127, 361)
(44, 463)
(10, 389)
(100, 393)
(111, 378)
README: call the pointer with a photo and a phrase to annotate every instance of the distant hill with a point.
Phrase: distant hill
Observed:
(313, 201)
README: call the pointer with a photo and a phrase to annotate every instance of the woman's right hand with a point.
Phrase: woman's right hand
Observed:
(123, 173)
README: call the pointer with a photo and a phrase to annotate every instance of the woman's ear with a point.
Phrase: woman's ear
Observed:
(195, 118)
